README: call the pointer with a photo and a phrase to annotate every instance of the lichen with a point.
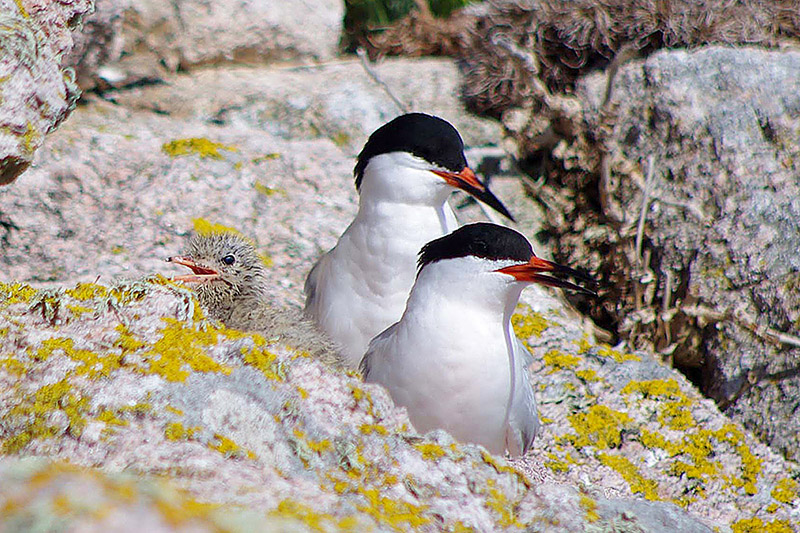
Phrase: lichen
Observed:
(196, 145)
(605, 350)
(181, 346)
(35, 411)
(637, 483)
(560, 361)
(500, 504)
(204, 227)
(590, 505)
(785, 491)
(528, 323)
(600, 426)
(757, 525)
(313, 519)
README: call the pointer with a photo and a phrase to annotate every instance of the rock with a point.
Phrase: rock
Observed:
(191, 33)
(129, 376)
(36, 92)
(719, 126)
(145, 383)
(99, 42)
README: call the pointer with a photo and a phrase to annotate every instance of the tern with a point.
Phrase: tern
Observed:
(452, 360)
(229, 279)
(404, 175)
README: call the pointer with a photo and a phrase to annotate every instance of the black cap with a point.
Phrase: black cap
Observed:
(431, 138)
(485, 240)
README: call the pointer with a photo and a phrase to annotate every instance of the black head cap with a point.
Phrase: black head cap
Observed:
(483, 239)
(431, 138)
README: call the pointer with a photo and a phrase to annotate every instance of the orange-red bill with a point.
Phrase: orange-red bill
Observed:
(467, 181)
(199, 272)
(532, 272)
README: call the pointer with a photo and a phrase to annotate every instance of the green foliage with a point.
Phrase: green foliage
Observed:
(364, 16)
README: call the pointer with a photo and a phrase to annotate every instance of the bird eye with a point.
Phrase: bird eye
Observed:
(229, 259)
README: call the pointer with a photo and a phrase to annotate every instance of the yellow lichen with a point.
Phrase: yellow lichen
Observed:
(504, 508)
(620, 357)
(591, 508)
(176, 431)
(181, 346)
(430, 451)
(36, 411)
(785, 491)
(600, 426)
(757, 525)
(528, 323)
(204, 227)
(196, 145)
(229, 448)
(587, 375)
(637, 483)
(266, 190)
(399, 515)
(368, 429)
(560, 361)
(314, 520)
(16, 292)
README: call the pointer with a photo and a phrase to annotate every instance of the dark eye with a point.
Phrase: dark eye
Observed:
(229, 259)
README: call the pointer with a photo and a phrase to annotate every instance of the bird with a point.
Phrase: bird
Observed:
(452, 360)
(229, 279)
(404, 175)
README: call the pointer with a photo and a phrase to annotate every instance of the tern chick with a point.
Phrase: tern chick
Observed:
(229, 280)
(404, 175)
(453, 360)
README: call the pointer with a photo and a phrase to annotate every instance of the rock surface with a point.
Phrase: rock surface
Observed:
(703, 149)
(37, 92)
(128, 382)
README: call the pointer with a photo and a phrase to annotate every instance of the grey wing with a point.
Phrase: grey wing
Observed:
(310, 286)
(522, 350)
(523, 416)
(375, 351)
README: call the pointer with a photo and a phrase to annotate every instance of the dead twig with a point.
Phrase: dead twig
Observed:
(362, 55)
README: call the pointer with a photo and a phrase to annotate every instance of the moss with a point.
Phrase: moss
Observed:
(560, 361)
(590, 505)
(599, 426)
(637, 483)
(785, 491)
(527, 323)
(196, 145)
